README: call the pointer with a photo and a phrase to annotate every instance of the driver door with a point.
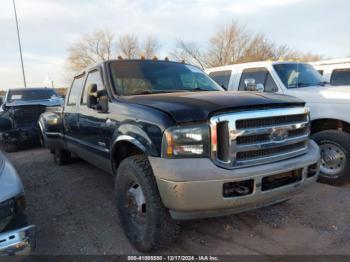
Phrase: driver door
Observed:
(94, 134)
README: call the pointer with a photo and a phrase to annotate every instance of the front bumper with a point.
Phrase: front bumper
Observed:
(18, 242)
(193, 188)
(20, 135)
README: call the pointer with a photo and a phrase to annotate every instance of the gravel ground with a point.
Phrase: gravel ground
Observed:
(74, 211)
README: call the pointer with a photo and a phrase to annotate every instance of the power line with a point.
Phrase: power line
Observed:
(19, 45)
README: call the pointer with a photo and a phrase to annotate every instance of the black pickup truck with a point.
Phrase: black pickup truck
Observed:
(19, 114)
(179, 147)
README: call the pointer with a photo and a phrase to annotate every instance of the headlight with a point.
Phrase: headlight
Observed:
(186, 141)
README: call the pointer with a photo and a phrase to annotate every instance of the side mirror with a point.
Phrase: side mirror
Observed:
(250, 84)
(91, 95)
(102, 101)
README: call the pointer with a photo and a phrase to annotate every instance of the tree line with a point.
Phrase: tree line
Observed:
(230, 44)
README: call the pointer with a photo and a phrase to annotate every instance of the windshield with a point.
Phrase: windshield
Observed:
(150, 77)
(298, 75)
(30, 95)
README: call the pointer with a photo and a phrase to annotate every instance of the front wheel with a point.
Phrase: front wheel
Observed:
(144, 218)
(335, 162)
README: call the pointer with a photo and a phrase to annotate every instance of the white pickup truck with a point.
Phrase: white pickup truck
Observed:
(335, 71)
(330, 105)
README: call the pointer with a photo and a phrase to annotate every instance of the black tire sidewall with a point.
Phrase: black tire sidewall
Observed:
(129, 172)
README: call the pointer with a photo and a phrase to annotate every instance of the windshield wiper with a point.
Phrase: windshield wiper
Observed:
(323, 83)
(150, 92)
(304, 84)
(199, 89)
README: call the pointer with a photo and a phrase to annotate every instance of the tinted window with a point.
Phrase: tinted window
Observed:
(261, 76)
(340, 77)
(30, 94)
(149, 77)
(296, 75)
(92, 78)
(75, 90)
(221, 77)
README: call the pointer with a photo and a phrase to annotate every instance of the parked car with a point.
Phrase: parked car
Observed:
(21, 109)
(179, 147)
(330, 106)
(336, 71)
(16, 236)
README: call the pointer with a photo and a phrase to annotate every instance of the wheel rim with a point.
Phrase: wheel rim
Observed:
(136, 204)
(333, 159)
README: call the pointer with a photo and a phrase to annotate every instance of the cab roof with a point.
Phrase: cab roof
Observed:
(251, 64)
(103, 63)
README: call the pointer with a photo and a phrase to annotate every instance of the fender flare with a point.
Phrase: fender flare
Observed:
(130, 139)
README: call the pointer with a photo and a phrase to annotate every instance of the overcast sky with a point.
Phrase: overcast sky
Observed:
(48, 27)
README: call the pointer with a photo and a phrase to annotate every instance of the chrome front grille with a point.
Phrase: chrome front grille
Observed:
(257, 137)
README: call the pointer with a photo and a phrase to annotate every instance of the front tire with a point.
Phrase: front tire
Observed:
(335, 162)
(145, 220)
(62, 157)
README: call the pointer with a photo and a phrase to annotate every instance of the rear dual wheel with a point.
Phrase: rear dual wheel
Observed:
(62, 157)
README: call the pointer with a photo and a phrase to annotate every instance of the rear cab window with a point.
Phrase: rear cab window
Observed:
(75, 91)
(340, 77)
(261, 76)
(222, 78)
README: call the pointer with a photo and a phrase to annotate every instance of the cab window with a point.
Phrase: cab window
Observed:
(340, 77)
(75, 90)
(93, 77)
(221, 77)
(261, 76)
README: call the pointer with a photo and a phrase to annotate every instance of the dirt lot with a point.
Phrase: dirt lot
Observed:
(74, 210)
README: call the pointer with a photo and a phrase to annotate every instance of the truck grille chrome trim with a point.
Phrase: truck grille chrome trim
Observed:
(260, 136)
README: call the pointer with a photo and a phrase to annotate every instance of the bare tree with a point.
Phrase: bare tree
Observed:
(302, 57)
(227, 45)
(259, 48)
(234, 44)
(190, 52)
(150, 47)
(90, 49)
(128, 46)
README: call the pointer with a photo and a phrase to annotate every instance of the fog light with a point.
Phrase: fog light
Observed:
(236, 189)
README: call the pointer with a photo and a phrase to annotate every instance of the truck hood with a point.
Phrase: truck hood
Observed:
(46, 102)
(199, 106)
(323, 94)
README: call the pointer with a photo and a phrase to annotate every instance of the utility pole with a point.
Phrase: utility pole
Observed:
(19, 45)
